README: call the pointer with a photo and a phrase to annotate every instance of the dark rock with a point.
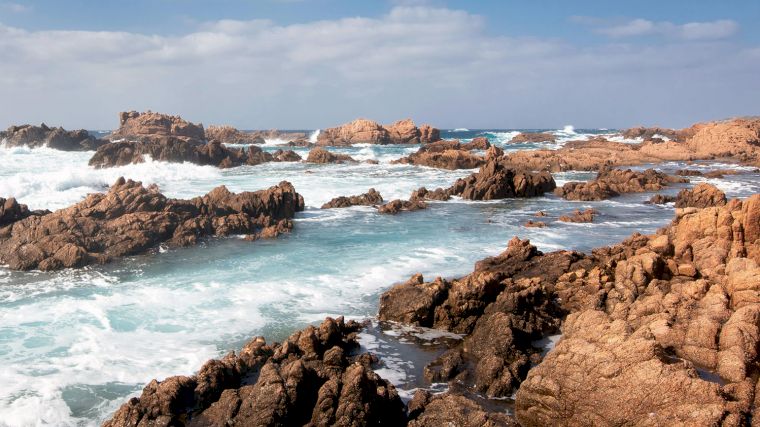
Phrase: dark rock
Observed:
(320, 155)
(395, 206)
(496, 181)
(370, 198)
(57, 138)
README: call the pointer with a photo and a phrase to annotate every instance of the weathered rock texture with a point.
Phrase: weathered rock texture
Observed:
(320, 155)
(44, 136)
(613, 182)
(737, 139)
(149, 125)
(370, 198)
(130, 219)
(310, 379)
(495, 180)
(12, 211)
(448, 155)
(580, 216)
(395, 206)
(363, 131)
(701, 196)
(533, 137)
(230, 135)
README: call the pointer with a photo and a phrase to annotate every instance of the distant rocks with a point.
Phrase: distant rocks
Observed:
(579, 216)
(370, 198)
(313, 378)
(363, 131)
(230, 135)
(423, 193)
(56, 138)
(149, 125)
(651, 133)
(130, 219)
(534, 224)
(449, 155)
(660, 199)
(286, 156)
(495, 180)
(533, 137)
(320, 155)
(701, 196)
(613, 182)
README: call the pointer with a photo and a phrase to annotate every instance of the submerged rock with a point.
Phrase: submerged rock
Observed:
(363, 131)
(613, 182)
(130, 219)
(44, 136)
(395, 206)
(370, 198)
(312, 378)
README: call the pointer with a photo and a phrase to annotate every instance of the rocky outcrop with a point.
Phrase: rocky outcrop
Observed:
(579, 216)
(395, 206)
(230, 135)
(660, 199)
(534, 224)
(312, 378)
(450, 155)
(452, 409)
(44, 136)
(363, 131)
(701, 196)
(533, 137)
(650, 133)
(370, 198)
(178, 150)
(320, 155)
(495, 180)
(286, 156)
(130, 219)
(134, 126)
(12, 211)
(423, 193)
(613, 182)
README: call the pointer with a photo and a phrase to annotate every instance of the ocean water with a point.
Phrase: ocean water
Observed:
(76, 344)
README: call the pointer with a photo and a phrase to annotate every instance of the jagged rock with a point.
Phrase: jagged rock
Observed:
(535, 224)
(451, 409)
(286, 156)
(301, 143)
(363, 131)
(57, 138)
(395, 206)
(310, 379)
(496, 181)
(701, 196)
(423, 193)
(230, 135)
(130, 219)
(579, 216)
(613, 182)
(660, 199)
(370, 198)
(149, 125)
(446, 155)
(651, 133)
(533, 137)
(12, 211)
(177, 150)
(320, 155)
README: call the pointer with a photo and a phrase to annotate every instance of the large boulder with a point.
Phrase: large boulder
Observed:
(363, 131)
(320, 155)
(230, 135)
(313, 378)
(447, 155)
(613, 182)
(533, 137)
(701, 196)
(148, 125)
(370, 198)
(57, 138)
(495, 180)
(12, 211)
(130, 219)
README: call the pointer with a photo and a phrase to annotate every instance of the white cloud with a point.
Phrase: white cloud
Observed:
(713, 30)
(433, 64)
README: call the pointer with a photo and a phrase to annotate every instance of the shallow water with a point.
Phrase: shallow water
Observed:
(75, 344)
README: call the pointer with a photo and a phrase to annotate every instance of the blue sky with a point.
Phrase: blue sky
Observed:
(317, 63)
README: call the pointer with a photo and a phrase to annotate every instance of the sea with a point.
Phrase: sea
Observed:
(76, 344)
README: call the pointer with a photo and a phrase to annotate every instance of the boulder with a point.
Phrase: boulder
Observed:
(423, 193)
(130, 219)
(533, 137)
(613, 182)
(450, 155)
(286, 156)
(701, 196)
(57, 138)
(320, 155)
(395, 206)
(230, 135)
(579, 216)
(149, 125)
(363, 131)
(494, 180)
(12, 211)
(370, 198)
(660, 199)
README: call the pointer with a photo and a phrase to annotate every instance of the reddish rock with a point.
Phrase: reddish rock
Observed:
(149, 125)
(660, 199)
(533, 137)
(613, 182)
(286, 156)
(363, 131)
(395, 206)
(651, 133)
(701, 196)
(370, 198)
(494, 180)
(130, 219)
(12, 211)
(423, 193)
(535, 224)
(230, 135)
(44, 136)
(579, 216)
(320, 155)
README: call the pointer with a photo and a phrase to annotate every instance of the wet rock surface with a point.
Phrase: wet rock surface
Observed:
(230, 135)
(363, 131)
(313, 378)
(579, 216)
(495, 180)
(320, 155)
(450, 155)
(613, 182)
(370, 198)
(44, 136)
(396, 206)
(130, 219)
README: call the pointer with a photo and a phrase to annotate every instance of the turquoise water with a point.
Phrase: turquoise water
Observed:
(75, 344)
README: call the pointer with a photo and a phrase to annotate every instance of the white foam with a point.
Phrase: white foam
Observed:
(314, 136)
(461, 130)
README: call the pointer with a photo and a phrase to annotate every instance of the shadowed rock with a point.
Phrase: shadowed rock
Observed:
(44, 136)
(613, 182)
(320, 155)
(370, 198)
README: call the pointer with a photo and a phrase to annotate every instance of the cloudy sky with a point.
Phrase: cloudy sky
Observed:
(317, 63)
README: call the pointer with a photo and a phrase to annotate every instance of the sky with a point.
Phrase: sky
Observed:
(307, 64)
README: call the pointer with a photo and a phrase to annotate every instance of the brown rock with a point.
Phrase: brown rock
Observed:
(701, 196)
(535, 224)
(579, 216)
(612, 182)
(230, 135)
(533, 137)
(660, 199)
(320, 155)
(12, 211)
(44, 136)
(130, 219)
(148, 125)
(286, 156)
(370, 198)
(395, 206)
(423, 193)
(496, 181)
(451, 409)
(362, 131)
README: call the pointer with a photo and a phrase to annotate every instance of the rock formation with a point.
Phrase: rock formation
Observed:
(44, 136)
(286, 156)
(395, 206)
(613, 182)
(646, 133)
(134, 126)
(495, 180)
(447, 155)
(310, 379)
(370, 198)
(701, 196)
(230, 135)
(533, 137)
(12, 211)
(320, 155)
(423, 193)
(579, 216)
(660, 199)
(130, 219)
(363, 131)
